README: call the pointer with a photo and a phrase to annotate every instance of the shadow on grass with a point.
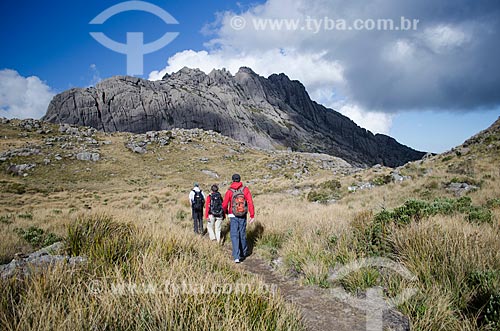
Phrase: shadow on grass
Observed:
(254, 233)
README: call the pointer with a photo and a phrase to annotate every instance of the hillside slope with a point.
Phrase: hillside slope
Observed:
(121, 200)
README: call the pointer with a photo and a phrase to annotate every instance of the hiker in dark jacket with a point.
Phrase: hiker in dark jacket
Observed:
(238, 203)
(214, 213)
(197, 201)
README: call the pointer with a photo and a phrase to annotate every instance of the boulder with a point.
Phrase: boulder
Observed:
(20, 169)
(88, 156)
(210, 173)
(23, 265)
(459, 189)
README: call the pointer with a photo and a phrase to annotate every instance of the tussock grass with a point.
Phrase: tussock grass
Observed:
(451, 244)
(138, 280)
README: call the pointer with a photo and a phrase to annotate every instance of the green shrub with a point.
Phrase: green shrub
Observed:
(329, 190)
(375, 234)
(37, 237)
(331, 185)
(447, 158)
(492, 311)
(486, 302)
(320, 196)
(7, 219)
(493, 203)
(417, 209)
(382, 180)
(479, 215)
(28, 216)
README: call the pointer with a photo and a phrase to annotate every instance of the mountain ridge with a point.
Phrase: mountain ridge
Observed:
(273, 112)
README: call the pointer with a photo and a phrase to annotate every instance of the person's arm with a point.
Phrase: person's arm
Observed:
(207, 206)
(191, 197)
(248, 198)
(225, 202)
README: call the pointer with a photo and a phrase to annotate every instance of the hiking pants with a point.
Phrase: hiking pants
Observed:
(198, 221)
(217, 223)
(238, 233)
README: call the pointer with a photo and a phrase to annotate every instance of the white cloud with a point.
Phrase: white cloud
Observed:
(370, 72)
(311, 69)
(400, 51)
(376, 122)
(96, 76)
(23, 97)
(443, 38)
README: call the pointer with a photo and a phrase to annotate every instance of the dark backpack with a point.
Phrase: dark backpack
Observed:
(198, 200)
(239, 205)
(216, 204)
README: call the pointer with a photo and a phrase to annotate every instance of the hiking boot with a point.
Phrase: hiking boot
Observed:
(237, 261)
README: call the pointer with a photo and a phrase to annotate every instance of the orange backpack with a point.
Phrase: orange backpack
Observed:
(239, 203)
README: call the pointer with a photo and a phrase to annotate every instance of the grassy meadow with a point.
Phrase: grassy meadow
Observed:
(129, 214)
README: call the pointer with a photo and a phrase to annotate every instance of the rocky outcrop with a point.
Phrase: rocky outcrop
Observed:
(264, 112)
(23, 265)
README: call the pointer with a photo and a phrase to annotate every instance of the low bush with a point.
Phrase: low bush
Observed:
(382, 180)
(37, 237)
(417, 209)
(328, 191)
(7, 219)
(375, 232)
(447, 158)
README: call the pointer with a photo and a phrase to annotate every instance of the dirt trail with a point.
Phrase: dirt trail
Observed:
(321, 310)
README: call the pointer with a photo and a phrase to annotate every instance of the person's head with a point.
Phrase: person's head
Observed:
(196, 184)
(236, 178)
(215, 188)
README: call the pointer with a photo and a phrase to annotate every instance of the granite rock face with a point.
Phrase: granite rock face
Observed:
(273, 112)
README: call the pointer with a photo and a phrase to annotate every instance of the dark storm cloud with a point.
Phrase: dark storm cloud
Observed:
(451, 62)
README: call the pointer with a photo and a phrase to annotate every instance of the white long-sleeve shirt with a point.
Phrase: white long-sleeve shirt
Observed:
(191, 194)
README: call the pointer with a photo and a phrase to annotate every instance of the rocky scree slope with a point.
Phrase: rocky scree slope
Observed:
(273, 112)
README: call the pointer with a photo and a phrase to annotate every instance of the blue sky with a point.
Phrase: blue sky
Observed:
(430, 89)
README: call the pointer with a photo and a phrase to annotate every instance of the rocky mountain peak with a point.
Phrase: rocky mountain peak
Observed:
(246, 70)
(273, 112)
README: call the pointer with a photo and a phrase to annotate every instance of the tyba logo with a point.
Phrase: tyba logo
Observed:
(135, 49)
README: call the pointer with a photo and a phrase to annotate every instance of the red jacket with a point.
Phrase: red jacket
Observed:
(228, 198)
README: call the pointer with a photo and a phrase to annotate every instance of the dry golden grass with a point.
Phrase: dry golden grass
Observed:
(310, 239)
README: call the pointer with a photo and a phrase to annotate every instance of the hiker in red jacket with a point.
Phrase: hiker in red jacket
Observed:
(214, 213)
(237, 204)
